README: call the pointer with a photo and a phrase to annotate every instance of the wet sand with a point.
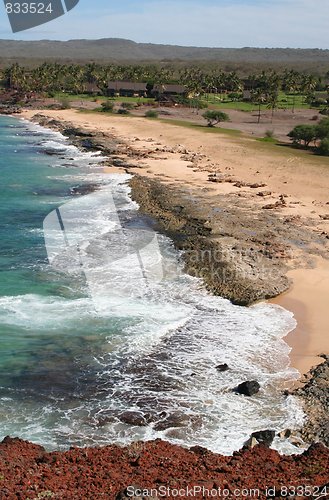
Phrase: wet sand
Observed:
(308, 299)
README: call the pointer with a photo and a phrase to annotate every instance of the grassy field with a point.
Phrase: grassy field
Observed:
(220, 102)
(286, 101)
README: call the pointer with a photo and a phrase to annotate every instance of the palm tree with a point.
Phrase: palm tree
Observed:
(15, 77)
(272, 100)
(308, 86)
(193, 79)
(233, 82)
(292, 84)
(258, 96)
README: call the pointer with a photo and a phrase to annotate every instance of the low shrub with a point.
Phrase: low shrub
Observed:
(107, 106)
(64, 103)
(151, 113)
(323, 148)
(127, 105)
(316, 103)
(322, 129)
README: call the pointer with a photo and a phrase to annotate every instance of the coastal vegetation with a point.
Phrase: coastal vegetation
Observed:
(138, 89)
(107, 106)
(195, 85)
(214, 117)
(151, 113)
(304, 135)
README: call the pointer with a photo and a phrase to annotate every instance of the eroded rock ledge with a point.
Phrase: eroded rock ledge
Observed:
(241, 253)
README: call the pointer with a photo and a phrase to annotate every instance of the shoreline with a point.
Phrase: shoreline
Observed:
(307, 298)
(189, 169)
(185, 168)
(182, 173)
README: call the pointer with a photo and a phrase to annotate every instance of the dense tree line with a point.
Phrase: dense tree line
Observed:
(50, 78)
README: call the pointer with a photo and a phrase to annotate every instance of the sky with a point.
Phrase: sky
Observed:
(206, 23)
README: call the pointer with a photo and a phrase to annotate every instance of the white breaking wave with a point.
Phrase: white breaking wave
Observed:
(164, 360)
(157, 352)
(59, 144)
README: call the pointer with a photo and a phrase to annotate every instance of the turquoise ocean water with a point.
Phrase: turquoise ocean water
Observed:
(77, 366)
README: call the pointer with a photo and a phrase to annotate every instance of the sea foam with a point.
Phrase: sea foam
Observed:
(96, 355)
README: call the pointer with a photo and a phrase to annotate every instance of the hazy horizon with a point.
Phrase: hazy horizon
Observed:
(168, 44)
(210, 23)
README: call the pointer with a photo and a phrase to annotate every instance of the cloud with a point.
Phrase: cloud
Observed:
(237, 23)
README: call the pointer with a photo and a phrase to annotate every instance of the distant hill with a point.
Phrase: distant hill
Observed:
(115, 50)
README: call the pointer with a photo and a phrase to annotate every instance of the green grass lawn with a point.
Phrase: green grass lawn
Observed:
(237, 105)
(74, 97)
(270, 140)
(286, 101)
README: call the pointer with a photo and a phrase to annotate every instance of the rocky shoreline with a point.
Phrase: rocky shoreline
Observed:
(9, 109)
(314, 393)
(233, 264)
(236, 270)
(240, 250)
(242, 253)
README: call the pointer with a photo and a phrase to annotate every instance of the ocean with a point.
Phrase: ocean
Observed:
(95, 351)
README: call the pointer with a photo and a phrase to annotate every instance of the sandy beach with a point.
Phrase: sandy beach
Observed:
(293, 183)
(308, 299)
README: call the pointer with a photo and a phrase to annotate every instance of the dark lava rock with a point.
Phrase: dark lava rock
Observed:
(264, 193)
(174, 419)
(199, 450)
(133, 418)
(77, 132)
(315, 397)
(248, 388)
(50, 152)
(89, 144)
(223, 251)
(82, 190)
(223, 367)
(256, 185)
(118, 162)
(262, 437)
(10, 110)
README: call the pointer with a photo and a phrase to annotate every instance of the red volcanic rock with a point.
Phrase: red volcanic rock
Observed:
(27, 471)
